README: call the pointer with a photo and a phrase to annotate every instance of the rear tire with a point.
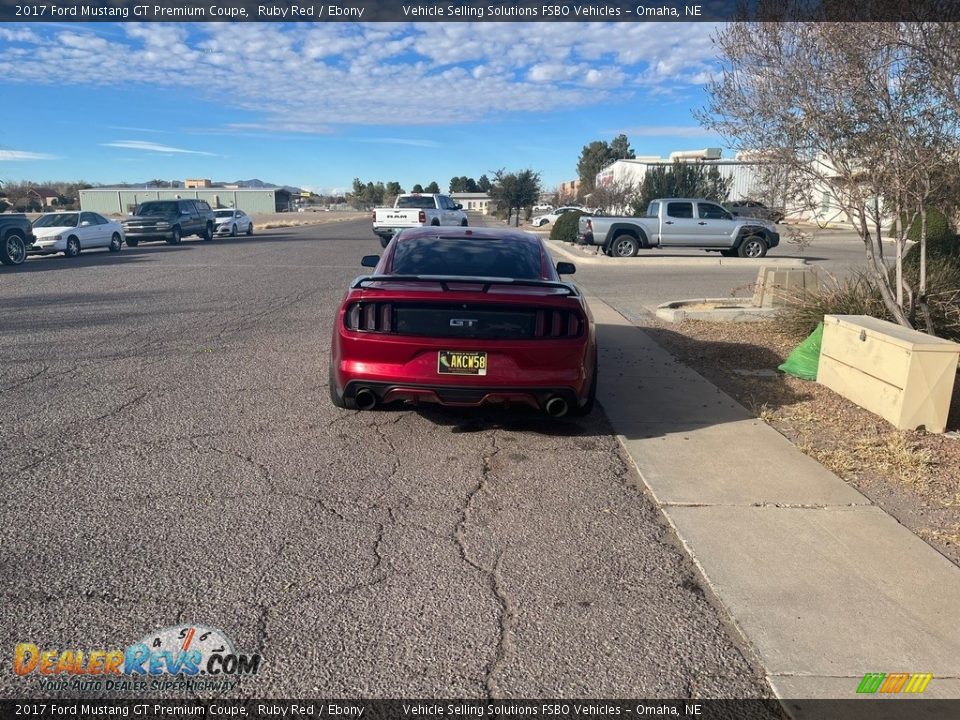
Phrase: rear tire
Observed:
(133, 242)
(624, 246)
(587, 408)
(115, 243)
(13, 250)
(435, 223)
(753, 247)
(729, 252)
(337, 401)
(207, 233)
(463, 223)
(249, 229)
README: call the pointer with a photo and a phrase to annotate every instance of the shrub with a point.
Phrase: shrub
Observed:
(939, 226)
(858, 295)
(566, 228)
(854, 295)
(944, 248)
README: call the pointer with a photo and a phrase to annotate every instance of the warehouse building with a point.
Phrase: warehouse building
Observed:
(124, 200)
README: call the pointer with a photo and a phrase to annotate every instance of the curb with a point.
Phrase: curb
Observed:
(743, 312)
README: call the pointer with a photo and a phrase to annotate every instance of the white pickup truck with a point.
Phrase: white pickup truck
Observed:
(416, 210)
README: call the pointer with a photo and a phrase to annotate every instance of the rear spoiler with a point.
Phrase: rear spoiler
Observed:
(446, 280)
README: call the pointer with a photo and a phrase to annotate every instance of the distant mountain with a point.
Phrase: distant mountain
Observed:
(255, 183)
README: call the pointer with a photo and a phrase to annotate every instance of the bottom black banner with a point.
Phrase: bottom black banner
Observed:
(856, 709)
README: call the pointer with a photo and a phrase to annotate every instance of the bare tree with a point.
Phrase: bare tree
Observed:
(851, 122)
(616, 198)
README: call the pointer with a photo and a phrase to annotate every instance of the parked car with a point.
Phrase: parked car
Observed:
(551, 217)
(232, 222)
(16, 235)
(169, 220)
(543, 208)
(72, 232)
(681, 222)
(754, 209)
(465, 317)
(416, 210)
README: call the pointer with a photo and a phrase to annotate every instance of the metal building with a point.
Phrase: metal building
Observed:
(123, 201)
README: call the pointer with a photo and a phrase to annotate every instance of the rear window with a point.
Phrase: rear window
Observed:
(680, 209)
(467, 257)
(415, 202)
(157, 208)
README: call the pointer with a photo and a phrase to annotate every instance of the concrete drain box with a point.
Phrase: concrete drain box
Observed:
(903, 375)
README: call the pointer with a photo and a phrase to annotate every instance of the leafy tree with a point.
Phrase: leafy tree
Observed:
(394, 188)
(682, 179)
(483, 184)
(432, 187)
(418, 188)
(596, 156)
(513, 191)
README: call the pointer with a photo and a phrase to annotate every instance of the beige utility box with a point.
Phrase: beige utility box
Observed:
(904, 376)
(777, 287)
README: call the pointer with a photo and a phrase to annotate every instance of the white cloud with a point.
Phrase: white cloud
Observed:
(690, 131)
(152, 147)
(310, 78)
(20, 155)
(402, 141)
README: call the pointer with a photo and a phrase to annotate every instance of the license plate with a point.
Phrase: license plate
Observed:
(450, 362)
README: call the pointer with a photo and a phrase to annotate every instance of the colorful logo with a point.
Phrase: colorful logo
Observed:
(892, 683)
(182, 652)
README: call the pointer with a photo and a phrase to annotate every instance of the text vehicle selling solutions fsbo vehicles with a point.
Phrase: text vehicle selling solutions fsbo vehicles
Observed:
(465, 317)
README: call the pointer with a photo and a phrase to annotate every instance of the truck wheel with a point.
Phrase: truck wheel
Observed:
(13, 250)
(729, 252)
(207, 233)
(133, 242)
(435, 222)
(463, 223)
(753, 247)
(624, 246)
(175, 237)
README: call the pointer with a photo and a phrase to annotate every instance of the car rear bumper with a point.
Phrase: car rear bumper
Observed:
(453, 396)
(517, 372)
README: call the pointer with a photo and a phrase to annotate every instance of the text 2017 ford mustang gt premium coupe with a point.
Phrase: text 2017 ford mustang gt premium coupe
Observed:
(465, 317)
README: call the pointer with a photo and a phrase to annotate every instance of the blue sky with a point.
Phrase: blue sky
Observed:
(316, 104)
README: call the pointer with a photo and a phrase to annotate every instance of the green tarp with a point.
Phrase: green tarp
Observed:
(805, 358)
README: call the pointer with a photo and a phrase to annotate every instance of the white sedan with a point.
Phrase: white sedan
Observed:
(541, 220)
(232, 222)
(74, 231)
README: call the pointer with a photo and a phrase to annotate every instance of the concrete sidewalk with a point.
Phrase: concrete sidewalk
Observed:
(821, 582)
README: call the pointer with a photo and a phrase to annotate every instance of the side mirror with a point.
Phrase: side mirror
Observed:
(566, 268)
(370, 261)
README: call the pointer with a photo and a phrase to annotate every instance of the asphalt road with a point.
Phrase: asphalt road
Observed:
(170, 456)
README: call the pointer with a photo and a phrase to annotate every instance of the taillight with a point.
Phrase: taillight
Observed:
(369, 317)
(422, 218)
(589, 225)
(373, 215)
(558, 324)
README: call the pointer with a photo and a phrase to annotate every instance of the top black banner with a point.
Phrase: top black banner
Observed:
(634, 11)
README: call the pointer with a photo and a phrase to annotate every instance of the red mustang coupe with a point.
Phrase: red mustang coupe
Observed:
(464, 316)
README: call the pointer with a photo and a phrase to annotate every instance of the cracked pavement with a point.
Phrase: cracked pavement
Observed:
(170, 455)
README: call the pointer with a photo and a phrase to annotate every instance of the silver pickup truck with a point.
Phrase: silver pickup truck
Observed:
(416, 210)
(681, 223)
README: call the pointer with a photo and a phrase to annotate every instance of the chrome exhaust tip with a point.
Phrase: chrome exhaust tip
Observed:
(556, 407)
(365, 399)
